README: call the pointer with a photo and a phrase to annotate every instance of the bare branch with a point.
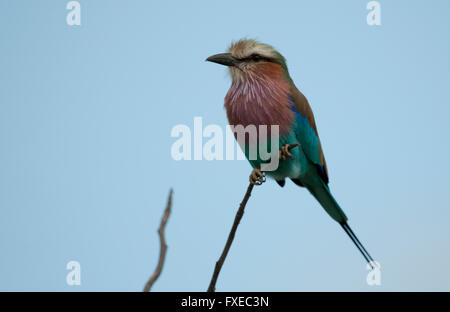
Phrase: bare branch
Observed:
(162, 240)
(237, 220)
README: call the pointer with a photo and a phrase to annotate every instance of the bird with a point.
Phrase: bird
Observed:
(262, 92)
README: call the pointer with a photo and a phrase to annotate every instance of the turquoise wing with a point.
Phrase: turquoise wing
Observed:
(306, 133)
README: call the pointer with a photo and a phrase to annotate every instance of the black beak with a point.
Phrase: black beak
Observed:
(223, 58)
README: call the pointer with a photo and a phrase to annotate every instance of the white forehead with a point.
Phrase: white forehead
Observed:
(245, 48)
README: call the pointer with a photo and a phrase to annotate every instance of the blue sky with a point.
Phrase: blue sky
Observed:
(85, 166)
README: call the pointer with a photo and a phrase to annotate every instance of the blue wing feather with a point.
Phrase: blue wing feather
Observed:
(310, 142)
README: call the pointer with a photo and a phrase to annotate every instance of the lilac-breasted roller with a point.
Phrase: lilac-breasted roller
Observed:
(263, 93)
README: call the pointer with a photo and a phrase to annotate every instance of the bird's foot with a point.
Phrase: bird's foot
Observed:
(257, 177)
(284, 153)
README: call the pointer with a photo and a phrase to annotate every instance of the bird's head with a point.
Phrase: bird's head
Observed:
(246, 57)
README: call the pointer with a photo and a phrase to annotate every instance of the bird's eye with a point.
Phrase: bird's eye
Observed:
(256, 57)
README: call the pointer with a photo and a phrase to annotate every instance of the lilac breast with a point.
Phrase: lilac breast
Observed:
(261, 98)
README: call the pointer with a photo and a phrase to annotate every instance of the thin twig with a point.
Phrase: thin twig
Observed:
(237, 219)
(162, 240)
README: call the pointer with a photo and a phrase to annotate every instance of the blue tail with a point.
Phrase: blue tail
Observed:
(323, 195)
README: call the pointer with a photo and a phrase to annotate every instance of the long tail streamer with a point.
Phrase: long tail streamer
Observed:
(358, 244)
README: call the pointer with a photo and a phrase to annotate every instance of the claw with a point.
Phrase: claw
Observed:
(257, 177)
(284, 153)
